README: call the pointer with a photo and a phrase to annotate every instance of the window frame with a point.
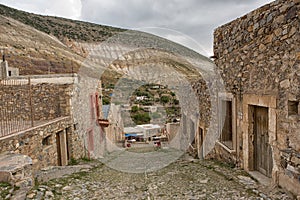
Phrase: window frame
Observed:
(228, 97)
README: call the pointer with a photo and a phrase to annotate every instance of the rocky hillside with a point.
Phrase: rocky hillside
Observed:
(60, 27)
(38, 44)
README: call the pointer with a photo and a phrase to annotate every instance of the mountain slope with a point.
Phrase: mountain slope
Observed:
(61, 27)
(35, 52)
(38, 44)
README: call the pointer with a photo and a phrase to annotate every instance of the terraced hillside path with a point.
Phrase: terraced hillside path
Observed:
(186, 178)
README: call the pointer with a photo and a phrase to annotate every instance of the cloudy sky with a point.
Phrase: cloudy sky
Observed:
(189, 22)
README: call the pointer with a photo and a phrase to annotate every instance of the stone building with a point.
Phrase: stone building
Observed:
(258, 58)
(36, 119)
(115, 130)
(6, 71)
(50, 118)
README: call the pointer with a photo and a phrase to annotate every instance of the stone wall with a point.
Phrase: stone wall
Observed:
(259, 51)
(259, 54)
(40, 142)
(46, 100)
(42, 101)
(86, 102)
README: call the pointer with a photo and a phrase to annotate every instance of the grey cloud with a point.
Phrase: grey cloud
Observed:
(65, 8)
(195, 18)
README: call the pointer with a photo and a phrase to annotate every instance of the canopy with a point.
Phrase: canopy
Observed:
(130, 134)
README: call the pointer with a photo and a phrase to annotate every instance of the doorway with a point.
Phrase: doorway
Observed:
(200, 143)
(262, 152)
(62, 149)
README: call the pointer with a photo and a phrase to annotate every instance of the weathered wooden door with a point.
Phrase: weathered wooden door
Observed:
(200, 143)
(62, 149)
(262, 149)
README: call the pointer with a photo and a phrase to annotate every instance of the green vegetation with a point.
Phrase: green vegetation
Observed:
(142, 93)
(4, 184)
(134, 109)
(164, 99)
(86, 159)
(141, 118)
(73, 162)
(4, 188)
(155, 95)
(105, 100)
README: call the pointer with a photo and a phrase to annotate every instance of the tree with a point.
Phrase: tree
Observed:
(106, 101)
(134, 109)
(164, 99)
(141, 118)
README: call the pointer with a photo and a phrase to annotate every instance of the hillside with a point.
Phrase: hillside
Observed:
(38, 44)
(60, 27)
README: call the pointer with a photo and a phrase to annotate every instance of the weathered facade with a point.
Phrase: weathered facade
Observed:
(6, 71)
(86, 109)
(259, 60)
(36, 119)
(115, 130)
(42, 142)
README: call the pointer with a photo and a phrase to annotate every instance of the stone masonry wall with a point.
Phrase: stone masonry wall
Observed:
(30, 142)
(260, 51)
(48, 100)
(259, 54)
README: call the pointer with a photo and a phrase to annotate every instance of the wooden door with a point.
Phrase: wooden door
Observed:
(262, 149)
(58, 149)
(200, 143)
(62, 149)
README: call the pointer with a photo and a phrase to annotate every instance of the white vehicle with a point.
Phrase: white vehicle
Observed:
(132, 140)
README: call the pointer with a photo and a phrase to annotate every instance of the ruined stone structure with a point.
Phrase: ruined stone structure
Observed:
(36, 119)
(6, 71)
(16, 169)
(259, 60)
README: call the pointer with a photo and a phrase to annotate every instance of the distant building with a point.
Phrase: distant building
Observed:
(145, 131)
(150, 108)
(133, 132)
(7, 71)
(150, 130)
(115, 130)
(141, 98)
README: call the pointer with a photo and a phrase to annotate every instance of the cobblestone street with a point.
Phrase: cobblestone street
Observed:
(186, 178)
